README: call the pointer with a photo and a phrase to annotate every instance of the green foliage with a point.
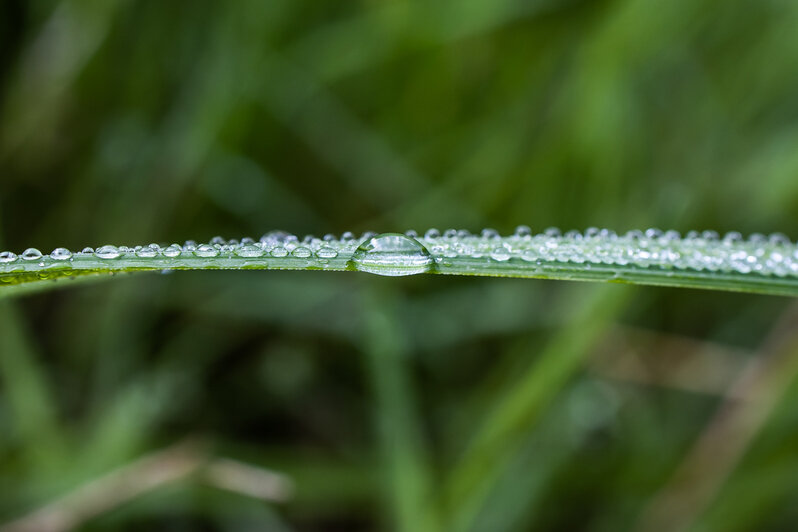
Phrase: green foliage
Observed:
(426, 402)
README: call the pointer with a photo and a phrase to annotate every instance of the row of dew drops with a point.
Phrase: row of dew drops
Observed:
(403, 254)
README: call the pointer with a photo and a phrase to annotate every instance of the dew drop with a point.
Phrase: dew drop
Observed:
(172, 251)
(147, 252)
(301, 252)
(31, 254)
(87, 250)
(249, 251)
(490, 234)
(206, 251)
(107, 252)
(326, 253)
(61, 254)
(279, 252)
(523, 231)
(392, 254)
(500, 254)
(7, 256)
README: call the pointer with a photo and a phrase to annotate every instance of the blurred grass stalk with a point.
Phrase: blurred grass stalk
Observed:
(403, 445)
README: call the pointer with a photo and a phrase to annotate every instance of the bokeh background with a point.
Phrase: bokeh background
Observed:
(341, 401)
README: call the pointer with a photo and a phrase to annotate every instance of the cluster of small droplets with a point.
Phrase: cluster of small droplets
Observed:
(698, 251)
(275, 244)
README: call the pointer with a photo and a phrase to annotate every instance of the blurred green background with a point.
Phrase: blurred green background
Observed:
(194, 401)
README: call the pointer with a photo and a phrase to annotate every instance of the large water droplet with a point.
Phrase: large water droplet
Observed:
(392, 254)
(107, 252)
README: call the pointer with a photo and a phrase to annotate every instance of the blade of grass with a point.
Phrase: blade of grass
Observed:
(400, 429)
(759, 265)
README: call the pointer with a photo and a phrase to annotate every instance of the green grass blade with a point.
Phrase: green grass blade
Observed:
(699, 260)
(398, 422)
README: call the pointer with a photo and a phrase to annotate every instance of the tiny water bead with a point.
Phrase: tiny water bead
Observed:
(31, 254)
(392, 254)
(7, 256)
(107, 252)
(61, 254)
(172, 251)
(206, 251)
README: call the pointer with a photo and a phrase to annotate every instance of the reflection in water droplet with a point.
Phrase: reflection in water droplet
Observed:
(326, 253)
(392, 254)
(249, 250)
(61, 254)
(172, 251)
(147, 252)
(31, 254)
(206, 251)
(107, 252)
(8, 256)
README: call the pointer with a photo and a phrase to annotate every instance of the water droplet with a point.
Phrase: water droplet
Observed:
(348, 236)
(326, 253)
(301, 252)
(523, 231)
(249, 250)
(489, 233)
(87, 250)
(107, 252)
(172, 251)
(432, 234)
(147, 252)
(278, 237)
(7, 256)
(279, 252)
(392, 254)
(61, 254)
(500, 254)
(218, 240)
(206, 251)
(31, 254)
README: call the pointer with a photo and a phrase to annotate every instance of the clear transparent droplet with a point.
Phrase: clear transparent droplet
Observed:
(147, 252)
(206, 251)
(249, 251)
(172, 251)
(392, 254)
(301, 252)
(326, 253)
(61, 254)
(7, 256)
(107, 252)
(31, 254)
